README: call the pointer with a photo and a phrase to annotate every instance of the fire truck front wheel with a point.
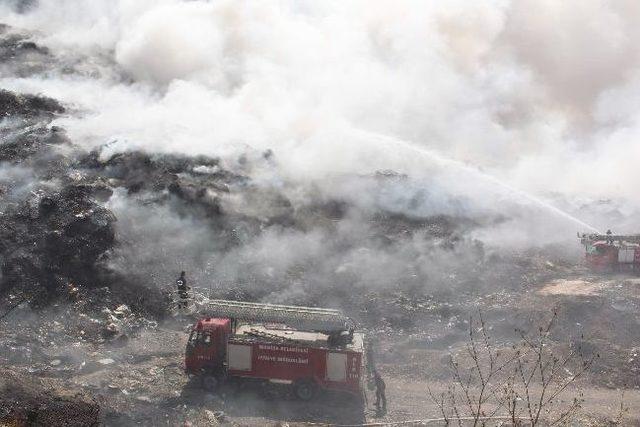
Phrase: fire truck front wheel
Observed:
(209, 382)
(305, 389)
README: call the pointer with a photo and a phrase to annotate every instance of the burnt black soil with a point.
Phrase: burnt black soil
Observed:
(28, 402)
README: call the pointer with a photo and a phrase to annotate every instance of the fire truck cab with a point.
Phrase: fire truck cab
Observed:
(308, 349)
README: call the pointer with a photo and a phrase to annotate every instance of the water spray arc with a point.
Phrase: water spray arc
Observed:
(473, 172)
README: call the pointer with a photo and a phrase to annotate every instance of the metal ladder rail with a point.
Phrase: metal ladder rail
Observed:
(276, 307)
(274, 337)
(631, 238)
(282, 317)
(308, 318)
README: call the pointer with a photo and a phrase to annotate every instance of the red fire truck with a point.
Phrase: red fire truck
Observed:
(308, 349)
(612, 253)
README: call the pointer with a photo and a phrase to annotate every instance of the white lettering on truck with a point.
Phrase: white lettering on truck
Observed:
(282, 359)
(271, 357)
(268, 347)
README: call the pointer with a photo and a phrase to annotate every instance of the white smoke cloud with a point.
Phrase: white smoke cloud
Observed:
(539, 95)
(190, 48)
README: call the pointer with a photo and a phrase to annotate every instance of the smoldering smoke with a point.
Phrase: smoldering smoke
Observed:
(543, 102)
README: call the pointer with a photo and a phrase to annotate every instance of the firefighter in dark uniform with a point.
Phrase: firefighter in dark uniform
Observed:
(380, 396)
(609, 238)
(183, 295)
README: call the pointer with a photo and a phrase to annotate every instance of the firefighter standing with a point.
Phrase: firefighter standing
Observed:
(183, 295)
(609, 237)
(380, 396)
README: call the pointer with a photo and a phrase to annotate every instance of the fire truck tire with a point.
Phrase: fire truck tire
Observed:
(209, 383)
(305, 389)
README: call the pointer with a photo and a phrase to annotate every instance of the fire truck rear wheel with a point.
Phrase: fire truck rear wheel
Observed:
(305, 390)
(210, 383)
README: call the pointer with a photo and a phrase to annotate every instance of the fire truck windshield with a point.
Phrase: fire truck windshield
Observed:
(595, 250)
(200, 338)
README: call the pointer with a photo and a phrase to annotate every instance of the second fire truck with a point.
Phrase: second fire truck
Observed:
(612, 253)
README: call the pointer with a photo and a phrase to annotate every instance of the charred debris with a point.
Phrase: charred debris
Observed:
(56, 233)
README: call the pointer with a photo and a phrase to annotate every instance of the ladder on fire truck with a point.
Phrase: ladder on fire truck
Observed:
(272, 337)
(587, 239)
(325, 320)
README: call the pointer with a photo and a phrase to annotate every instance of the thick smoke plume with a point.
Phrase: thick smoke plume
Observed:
(515, 117)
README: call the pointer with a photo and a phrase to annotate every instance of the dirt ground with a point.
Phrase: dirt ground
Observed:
(141, 382)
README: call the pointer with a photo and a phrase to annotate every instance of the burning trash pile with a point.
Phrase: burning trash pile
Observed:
(20, 55)
(77, 219)
(56, 233)
(92, 235)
